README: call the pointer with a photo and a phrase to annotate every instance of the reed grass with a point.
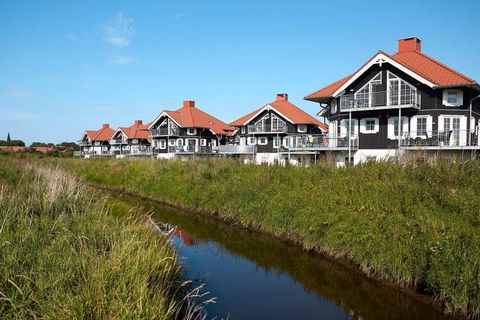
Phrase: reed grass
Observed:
(416, 225)
(65, 255)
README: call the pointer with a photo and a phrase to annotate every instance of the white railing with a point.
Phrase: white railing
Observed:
(258, 128)
(440, 139)
(236, 149)
(380, 100)
(172, 131)
(320, 142)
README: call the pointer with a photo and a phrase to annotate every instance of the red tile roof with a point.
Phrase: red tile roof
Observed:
(412, 58)
(431, 69)
(91, 133)
(137, 130)
(44, 149)
(190, 116)
(286, 108)
(105, 133)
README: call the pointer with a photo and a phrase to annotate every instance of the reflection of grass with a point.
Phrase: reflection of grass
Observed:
(415, 225)
(64, 255)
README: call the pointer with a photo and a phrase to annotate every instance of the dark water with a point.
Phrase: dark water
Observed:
(255, 276)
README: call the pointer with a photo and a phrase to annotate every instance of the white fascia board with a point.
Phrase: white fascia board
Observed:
(381, 58)
(164, 113)
(267, 107)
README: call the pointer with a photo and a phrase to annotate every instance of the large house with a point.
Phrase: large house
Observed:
(187, 132)
(96, 142)
(278, 132)
(131, 141)
(439, 108)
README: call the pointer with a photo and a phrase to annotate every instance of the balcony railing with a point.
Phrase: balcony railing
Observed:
(236, 149)
(266, 129)
(320, 142)
(84, 143)
(173, 131)
(116, 141)
(380, 100)
(452, 139)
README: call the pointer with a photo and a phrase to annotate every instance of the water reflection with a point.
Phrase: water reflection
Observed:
(255, 276)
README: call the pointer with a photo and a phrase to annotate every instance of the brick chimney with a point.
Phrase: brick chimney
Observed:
(105, 125)
(138, 122)
(410, 44)
(189, 104)
(282, 97)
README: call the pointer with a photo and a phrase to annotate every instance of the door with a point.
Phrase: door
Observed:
(451, 130)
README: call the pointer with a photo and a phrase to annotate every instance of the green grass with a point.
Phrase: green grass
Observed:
(416, 225)
(65, 254)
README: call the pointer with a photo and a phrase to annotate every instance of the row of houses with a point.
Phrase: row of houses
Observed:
(395, 105)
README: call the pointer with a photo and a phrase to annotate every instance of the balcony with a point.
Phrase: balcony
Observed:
(84, 143)
(258, 128)
(172, 131)
(236, 149)
(453, 140)
(305, 143)
(380, 100)
(117, 141)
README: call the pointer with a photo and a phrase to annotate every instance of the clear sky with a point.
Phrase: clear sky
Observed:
(67, 66)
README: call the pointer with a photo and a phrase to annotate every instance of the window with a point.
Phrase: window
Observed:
(344, 126)
(363, 96)
(162, 144)
(302, 128)
(369, 125)
(251, 141)
(334, 106)
(203, 142)
(191, 131)
(286, 142)
(276, 142)
(171, 143)
(394, 130)
(262, 141)
(278, 125)
(422, 127)
(400, 92)
(452, 98)
(179, 143)
(214, 143)
(242, 129)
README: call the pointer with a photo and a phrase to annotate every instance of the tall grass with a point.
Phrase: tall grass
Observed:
(65, 255)
(416, 225)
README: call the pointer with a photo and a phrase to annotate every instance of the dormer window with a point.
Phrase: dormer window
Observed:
(453, 98)
(191, 131)
(302, 128)
(334, 106)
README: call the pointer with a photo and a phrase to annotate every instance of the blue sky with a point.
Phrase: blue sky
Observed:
(67, 66)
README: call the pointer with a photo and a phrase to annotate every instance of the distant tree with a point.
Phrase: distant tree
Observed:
(38, 144)
(12, 143)
(68, 146)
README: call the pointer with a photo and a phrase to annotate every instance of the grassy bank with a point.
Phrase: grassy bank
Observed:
(414, 225)
(66, 255)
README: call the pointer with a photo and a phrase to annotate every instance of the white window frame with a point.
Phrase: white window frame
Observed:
(279, 123)
(365, 130)
(191, 131)
(171, 142)
(344, 128)
(391, 127)
(368, 86)
(302, 128)
(413, 126)
(276, 142)
(287, 141)
(203, 142)
(243, 129)
(162, 144)
(262, 141)
(179, 143)
(251, 141)
(459, 94)
(334, 106)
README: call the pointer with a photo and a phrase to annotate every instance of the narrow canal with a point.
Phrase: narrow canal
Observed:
(255, 276)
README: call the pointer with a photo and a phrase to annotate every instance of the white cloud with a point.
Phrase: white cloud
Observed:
(119, 31)
(19, 93)
(120, 59)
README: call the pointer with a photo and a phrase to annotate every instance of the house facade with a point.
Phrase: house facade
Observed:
(96, 142)
(131, 141)
(187, 132)
(278, 132)
(400, 105)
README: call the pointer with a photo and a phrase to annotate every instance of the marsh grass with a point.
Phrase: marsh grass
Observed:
(416, 225)
(65, 255)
